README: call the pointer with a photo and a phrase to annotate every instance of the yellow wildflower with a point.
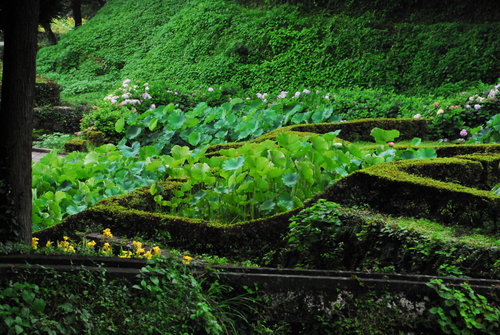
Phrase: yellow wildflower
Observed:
(106, 233)
(49, 243)
(107, 249)
(65, 238)
(139, 251)
(34, 242)
(156, 251)
(148, 255)
(70, 248)
(126, 254)
(64, 244)
(186, 260)
(91, 244)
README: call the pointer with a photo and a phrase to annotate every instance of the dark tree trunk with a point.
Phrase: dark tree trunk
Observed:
(76, 6)
(50, 34)
(16, 113)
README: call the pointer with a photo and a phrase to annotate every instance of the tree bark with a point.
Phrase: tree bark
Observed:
(16, 113)
(76, 6)
(50, 34)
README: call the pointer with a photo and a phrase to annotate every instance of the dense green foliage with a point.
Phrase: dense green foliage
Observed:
(260, 180)
(52, 141)
(421, 11)
(447, 113)
(247, 182)
(200, 44)
(165, 298)
(464, 312)
(68, 185)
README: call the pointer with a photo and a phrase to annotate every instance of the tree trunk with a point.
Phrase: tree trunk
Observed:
(16, 113)
(50, 34)
(76, 6)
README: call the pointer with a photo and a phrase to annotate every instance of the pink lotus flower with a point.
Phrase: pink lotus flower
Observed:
(463, 133)
(391, 144)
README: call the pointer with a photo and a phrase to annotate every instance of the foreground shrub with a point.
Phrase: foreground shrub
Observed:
(166, 298)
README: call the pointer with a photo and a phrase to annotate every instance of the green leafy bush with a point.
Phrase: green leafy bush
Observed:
(448, 119)
(53, 141)
(463, 312)
(206, 44)
(104, 118)
(47, 92)
(58, 119)
(165, 298)
(21, 310)
(143, 96)
(258, 180)
(312, 234)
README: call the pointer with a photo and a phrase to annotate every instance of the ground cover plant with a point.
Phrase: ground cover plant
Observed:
(165, 297)
(52, 141)
(207, 44)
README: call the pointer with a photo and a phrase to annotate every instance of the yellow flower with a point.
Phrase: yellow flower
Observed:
(126, 254)
(148, 254)
(106, 233)
(49, 243)
(34, 242)
(139, 251)
(64, 244)
(70, 248)
(187, 260)
(65, 238)
(156, 250)
(137, 245)
(107, 249)
(91, 244)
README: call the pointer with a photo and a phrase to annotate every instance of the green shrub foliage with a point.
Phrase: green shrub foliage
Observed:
(165, 298)
(205, 43)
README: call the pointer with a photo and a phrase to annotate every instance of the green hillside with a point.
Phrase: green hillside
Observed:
(196, 43)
